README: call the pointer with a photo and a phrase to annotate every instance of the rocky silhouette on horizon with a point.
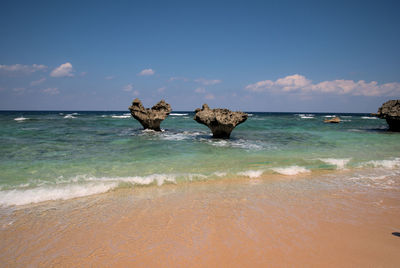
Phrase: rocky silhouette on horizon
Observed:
(220, 121)
(390, 111)
(150, 118)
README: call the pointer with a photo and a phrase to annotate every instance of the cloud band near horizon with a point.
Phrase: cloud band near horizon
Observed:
(300, 84)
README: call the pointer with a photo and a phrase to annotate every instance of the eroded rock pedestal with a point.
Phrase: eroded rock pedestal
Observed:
(390, 111)
(220, 121)
(150, 118)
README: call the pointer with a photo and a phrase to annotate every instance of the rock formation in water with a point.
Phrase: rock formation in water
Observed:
(150, 118)
(390, 111)
(220, 121)
(333, 120)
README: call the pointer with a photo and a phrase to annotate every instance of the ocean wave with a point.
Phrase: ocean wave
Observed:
(121, 116)
(177, 114)
(27, 196)
(69, 116)
(340, 163)
(20, 119)
(307, 117)
(159, 179)
(220, 174)
(292, 170)
(240, 143)
(369, 117)
(328, 116)
(389, 164)
(79, 186)
(251, 173)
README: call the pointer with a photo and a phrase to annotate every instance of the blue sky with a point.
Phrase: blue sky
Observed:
(277, 56)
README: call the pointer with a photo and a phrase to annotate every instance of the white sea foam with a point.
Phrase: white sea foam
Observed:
(58, 192)
(160, 179)
(121, 116)
(292, 170)
(79, 186)
(220, 174)
(340, 163)
(389, 164)
(20, 119)
(243, 144)
(369, 117)
(251, 173)
(69, 116)
(307, 117)
(329, 116)
(177, 114)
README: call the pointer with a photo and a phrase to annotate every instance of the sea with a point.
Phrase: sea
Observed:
(63, 155)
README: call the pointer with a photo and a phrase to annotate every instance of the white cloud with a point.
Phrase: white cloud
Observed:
(128, 87)
(37, 82)
(19, 90)
(174, 78)
(200, 90)
(207, 82)
(161, 89)
(63, 70)
(209, 96)
(136, 93)
(110, 77)
(51, 91)
(15, 68)
(299, 83)
(146, 72)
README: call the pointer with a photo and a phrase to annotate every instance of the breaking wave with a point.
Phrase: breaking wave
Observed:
(20, 119)
(340, 163)
(177, 114)
(251, 173)
(388, 164)
(292, 170)
(41, 194)
(70, 116)
(369, 117)
(121, 116)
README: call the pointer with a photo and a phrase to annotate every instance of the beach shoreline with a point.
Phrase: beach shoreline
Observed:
(232, 222)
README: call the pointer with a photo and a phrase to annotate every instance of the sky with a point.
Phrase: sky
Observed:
(271, 56)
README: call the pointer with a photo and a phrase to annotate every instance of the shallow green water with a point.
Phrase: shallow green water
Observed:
(53, 155)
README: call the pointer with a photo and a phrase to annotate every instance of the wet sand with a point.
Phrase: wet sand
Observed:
(230, 223)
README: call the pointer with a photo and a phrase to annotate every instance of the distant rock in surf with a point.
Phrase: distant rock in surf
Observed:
(333, 120)
(150, 118)
(390, 111)
(220, 121)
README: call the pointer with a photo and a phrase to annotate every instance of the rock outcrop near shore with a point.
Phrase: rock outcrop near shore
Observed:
(150, 118)
(220, 121)
(390, 111)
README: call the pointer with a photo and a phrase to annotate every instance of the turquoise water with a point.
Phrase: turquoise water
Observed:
(61, 155)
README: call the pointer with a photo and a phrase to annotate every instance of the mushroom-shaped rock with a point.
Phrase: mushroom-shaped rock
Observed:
(390, 111)
(220, 121)
(150, 118)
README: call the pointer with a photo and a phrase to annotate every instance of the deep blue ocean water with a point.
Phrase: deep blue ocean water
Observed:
(61, 155)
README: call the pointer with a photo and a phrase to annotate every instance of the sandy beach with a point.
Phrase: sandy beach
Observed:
(261, 222)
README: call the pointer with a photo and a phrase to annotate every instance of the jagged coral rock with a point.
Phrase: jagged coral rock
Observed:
(390, 111)
(150, 118)
(220, 121)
